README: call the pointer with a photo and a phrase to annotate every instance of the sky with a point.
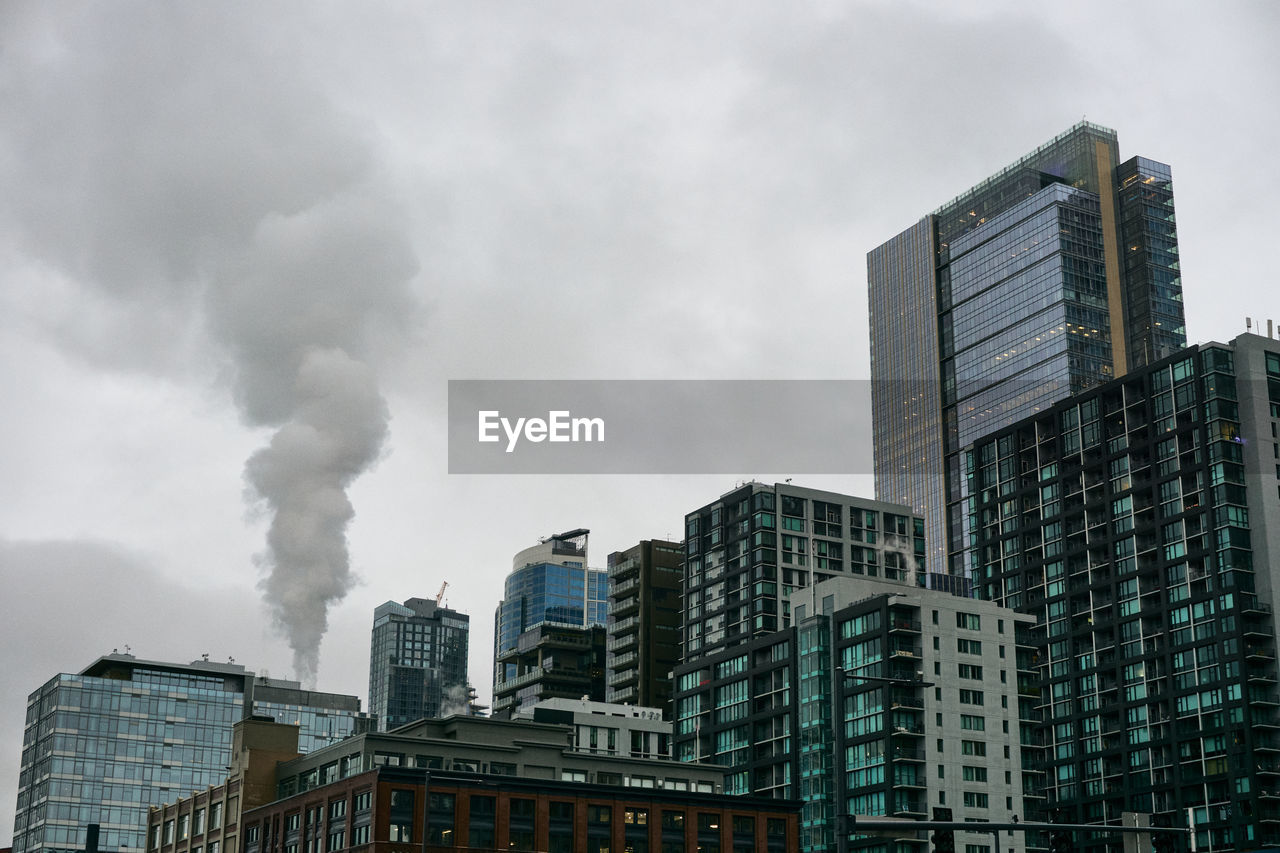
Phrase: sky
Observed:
(243, 248)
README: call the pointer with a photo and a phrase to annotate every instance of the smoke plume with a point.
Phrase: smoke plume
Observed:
(218, 181)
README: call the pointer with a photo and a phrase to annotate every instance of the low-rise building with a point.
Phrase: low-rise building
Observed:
(607, 727)
(393, 809)
(208, 821)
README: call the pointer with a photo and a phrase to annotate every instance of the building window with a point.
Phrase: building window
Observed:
(969, 621)
(359, 835)
(337, 810)
(440, 819)
(974, 774)
(184, 827)
(972, 723)
(971, 697)
(168, 832)
(560, 827)
(215, 816)
(480, 827)
(970, 671)
(363, 801)
(337, 840)
(973, 747)
(975, 800)
(521, 824)
(197, 822)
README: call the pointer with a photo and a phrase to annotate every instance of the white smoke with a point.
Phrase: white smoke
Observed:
(457, 700)
(217, 181)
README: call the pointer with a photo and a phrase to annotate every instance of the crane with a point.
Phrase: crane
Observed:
(440, 594)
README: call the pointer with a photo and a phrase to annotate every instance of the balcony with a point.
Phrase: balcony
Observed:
(623, 642)
(626, 694)
(624, 606)
(915, 730)
(520, 680)
(623, 586)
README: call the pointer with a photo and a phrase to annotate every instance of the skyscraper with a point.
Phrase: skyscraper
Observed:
(644, 623)
(125, 734)
(1054, 275)
(882, 699)
(549, 628)
(748, 551)
(1140, 523)
(417, 662)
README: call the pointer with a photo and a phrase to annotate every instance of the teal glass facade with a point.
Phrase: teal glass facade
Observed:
(1135, 523)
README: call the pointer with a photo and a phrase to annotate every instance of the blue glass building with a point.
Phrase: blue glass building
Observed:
(1056, 274)
(550, 587)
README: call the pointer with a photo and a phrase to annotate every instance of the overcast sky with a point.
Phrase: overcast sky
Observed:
(243, 249)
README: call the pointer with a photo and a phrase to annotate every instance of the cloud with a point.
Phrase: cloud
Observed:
(166, 179)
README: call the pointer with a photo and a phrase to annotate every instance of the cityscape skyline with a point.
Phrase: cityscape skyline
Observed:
(752, 170)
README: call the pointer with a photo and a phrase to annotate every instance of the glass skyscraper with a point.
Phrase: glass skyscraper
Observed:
(417, 662)
(549, 587)
(1137, 523)
(126, 734)
(1054, 275)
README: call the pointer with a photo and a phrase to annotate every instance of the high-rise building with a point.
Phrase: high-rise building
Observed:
(1139, 523)
(748, 551)
(125, 734)
(883, 699)
(417, 662)
(1054, 275)
(549, 628)
(644, 623)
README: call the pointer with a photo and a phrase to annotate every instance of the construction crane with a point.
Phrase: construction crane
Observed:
(440, 594)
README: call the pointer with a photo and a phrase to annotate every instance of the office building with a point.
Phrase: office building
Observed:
(417, 662)
(208, 821)
(492, 747)
(549, 631)
(608, 728)
(1138, 523)
(1054, 275)
(550, 662)
(408, 808)
(748, 551)
(124, 734)
(644, 623)
(883, 699)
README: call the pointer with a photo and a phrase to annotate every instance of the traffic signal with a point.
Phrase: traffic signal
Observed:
(944, 840)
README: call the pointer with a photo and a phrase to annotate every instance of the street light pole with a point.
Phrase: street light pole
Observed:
(841, 676)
